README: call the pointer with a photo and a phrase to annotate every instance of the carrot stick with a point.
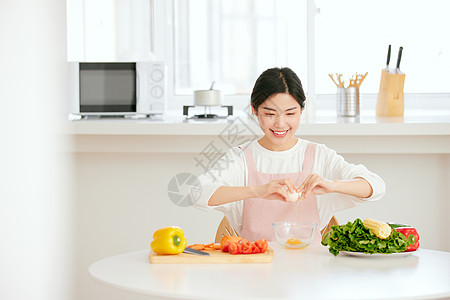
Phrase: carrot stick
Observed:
(197, 246)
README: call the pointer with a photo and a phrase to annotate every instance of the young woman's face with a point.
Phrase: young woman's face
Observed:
(279, 117)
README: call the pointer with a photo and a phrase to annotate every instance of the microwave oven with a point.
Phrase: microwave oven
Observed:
(136, 89)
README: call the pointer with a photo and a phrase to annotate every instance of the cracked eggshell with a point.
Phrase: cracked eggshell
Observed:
(293, 197)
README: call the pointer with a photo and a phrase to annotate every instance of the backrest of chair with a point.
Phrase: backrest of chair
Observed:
(332, 222)
(225, 229)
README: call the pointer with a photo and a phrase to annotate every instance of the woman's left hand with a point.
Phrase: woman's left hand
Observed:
(315, 184)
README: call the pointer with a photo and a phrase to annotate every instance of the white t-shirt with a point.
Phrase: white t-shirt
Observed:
(231, 170)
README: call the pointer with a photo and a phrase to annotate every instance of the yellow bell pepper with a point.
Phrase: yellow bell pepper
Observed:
(168, 240)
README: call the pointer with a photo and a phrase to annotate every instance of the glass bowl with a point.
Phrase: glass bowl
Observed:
(294, 235)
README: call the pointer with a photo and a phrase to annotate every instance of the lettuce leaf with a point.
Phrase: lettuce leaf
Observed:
(357, 238)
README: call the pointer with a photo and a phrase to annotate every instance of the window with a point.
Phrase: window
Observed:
(353, 36)
(231, 42)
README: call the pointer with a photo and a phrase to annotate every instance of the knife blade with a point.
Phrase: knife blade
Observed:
(388, 58)
(399, 58)
(196, 252)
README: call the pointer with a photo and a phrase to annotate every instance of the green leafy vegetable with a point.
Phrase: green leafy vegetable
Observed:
(357, 238)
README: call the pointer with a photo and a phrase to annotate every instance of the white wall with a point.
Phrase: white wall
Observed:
(122, 199)
(35, 232)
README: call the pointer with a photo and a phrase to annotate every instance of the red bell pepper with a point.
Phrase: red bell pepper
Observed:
(411, 235)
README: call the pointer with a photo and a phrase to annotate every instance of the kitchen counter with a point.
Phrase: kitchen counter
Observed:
(416, 132)
(433, 122)
(310, 273)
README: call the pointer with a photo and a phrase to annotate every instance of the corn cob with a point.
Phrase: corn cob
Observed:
(380, 229)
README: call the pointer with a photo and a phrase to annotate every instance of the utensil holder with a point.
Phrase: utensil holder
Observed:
(347, 102)
(390, 100)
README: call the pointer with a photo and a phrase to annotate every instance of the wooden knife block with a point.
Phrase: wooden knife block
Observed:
(390, 101)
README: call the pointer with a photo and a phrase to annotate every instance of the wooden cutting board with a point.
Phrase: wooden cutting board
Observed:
(215, 257)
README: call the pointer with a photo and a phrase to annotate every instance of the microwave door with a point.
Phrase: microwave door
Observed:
(108, 88)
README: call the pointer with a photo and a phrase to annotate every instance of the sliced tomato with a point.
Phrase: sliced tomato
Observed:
(234, 248)
(262, 245)
(225, 246)
(230, 239)
(255, 249)
(226, 240)
(246, 246)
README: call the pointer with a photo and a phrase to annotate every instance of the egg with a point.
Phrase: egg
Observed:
(292, 197)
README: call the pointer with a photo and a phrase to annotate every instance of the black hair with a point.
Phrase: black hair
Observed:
(274, 81)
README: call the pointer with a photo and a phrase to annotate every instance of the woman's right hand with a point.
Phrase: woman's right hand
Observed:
(275, 190)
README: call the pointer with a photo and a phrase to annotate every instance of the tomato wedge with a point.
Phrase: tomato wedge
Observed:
(226, 240)
(234, 248)
(246, 246)
(262, 245)
(255, 249)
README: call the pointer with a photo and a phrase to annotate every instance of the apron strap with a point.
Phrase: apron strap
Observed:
(251, 164)
(308, 161)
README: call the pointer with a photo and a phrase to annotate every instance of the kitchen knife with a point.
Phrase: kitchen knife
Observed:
(399, 58)
(196, 252)
(388, 58)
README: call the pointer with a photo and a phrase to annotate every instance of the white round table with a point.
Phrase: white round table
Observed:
(311, 273)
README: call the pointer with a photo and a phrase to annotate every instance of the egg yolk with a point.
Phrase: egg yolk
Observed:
(293, 241)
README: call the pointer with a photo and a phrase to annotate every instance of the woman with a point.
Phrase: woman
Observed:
(256, 187)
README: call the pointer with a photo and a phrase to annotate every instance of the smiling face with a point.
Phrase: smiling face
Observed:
(279, 117)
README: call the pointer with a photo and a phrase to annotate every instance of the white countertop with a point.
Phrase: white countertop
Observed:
(418, 132)
(311, 273)
(324, 123)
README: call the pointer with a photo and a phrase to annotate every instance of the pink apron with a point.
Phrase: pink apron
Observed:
(259, 214)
